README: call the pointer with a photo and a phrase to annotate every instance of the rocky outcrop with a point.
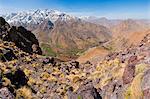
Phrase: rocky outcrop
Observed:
(18, 78)
(84, 92)
(113, 90)
(22, 38)
(7, 54)
(128, 74)
(129, 71)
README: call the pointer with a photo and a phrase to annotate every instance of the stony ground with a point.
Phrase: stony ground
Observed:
(121, 75)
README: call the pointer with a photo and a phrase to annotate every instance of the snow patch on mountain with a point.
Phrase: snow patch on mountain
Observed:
(37, 16)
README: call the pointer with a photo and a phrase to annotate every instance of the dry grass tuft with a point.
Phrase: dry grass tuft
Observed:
(24, 93)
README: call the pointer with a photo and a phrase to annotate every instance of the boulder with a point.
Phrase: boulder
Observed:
(6, 94)
(48, 60)
(129, 71)
(128, 74)
(84, 92)
(74, 64)
(7, 55)
(113, 90)
(24, 39)
(18, 78)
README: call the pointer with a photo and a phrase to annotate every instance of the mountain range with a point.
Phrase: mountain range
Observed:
(60, 33)
(66, 36)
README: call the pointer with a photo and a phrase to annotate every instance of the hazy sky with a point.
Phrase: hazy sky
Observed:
(102, 8)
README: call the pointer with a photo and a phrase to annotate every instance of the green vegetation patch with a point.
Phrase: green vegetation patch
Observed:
(47, 50)
(74, 52)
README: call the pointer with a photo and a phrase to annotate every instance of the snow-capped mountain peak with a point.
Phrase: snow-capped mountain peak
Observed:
(37, 16)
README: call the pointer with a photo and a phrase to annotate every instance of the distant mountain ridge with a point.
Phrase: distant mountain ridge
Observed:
(37, 16)
(109, 23)
(102, 21)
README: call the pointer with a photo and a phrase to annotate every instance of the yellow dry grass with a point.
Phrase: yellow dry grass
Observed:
(136, 92)
(140, 68)
(24, 92)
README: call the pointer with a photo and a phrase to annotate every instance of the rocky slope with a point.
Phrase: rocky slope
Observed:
(127, 33)
(121, 75)
(75, 35)
(126, 27)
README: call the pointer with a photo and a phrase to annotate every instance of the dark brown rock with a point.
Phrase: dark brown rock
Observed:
(18, 78)
(23, 39)
(132, 60)
(128, 74)
(7, 55)
(74, 64)
(2, 21)
(129, 71)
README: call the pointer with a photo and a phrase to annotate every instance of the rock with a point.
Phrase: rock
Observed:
(74, 64)
(128, 74)
(48, 60)
(36, 49)
(146, 93)
(3, 24)
(132, 60)
(114, 90)
(23, 39)
(7, 55)
(146, 84)
(18, 78)
(85, 92)
(129, 71)
(5, 94)
(2, 21)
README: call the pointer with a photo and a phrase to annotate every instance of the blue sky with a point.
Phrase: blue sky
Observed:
(102, 8)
